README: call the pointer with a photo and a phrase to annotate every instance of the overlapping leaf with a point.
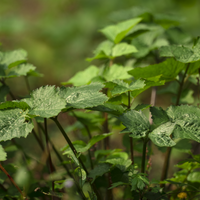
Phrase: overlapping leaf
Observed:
(161, 135)
(83, 77)
(117, 72)
(117, 32)
(182, 53)
(122, 87)
(136, 123)
(14, 104)
(13, 124)
(123, 49)
(84, 96)
(168, 70)
(45, 102)
(13, 58)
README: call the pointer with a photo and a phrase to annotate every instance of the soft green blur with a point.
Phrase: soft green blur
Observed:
(59, 35)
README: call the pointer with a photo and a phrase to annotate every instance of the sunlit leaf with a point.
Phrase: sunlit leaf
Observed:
(3, 154)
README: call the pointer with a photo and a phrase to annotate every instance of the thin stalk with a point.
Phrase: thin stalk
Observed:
(65, 166)
(144, 155)
(130, 138)
(75, 153)
(13, 182)
(38, 140)
(168, 153)
(47, 146)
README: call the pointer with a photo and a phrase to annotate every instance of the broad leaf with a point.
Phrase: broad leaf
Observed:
(13, 58)
(123, 49)
(116, 72)
(159, 116)
(99, 170)
(168, 70)
(117, 32)
(161, 135)
(142, 107)
(13, 124)
(83, 77)
(45, 102)
(84, 96)
(14, 104)
(136, 123)
(182, 53)
(20, 70)
(3, 154)
(122, 87)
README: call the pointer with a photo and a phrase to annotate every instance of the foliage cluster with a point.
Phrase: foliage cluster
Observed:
(138, 54)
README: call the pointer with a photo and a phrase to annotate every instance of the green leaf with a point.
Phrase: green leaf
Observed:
(99, 170)
(122, 87)
(4, 90)
(159, 116)
(3, 154)
(81, 147)
(14, 104)
(193, 69)
(83, 77)
(84, 96)
(123, 49)
(117, 184)
(45, 102)
(142, 107)
(117, 32)
(182, 53)
(20, 70)
(148, 84)
(187, 120)
(103, 51)
(117, 72)
(168, 70)
(161, 135)
(183, 145)
(136, 123)
(194, 177)
(13, 58)
(13, 124)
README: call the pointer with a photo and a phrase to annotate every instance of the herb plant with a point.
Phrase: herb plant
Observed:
(137, 55)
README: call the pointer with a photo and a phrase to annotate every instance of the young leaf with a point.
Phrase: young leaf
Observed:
(83, 77)
(84, 96)
(45, 102)
(136, 123)
(3, 154)
(123, 49)
(168, 70)
(13, 124)
(161, 135)
(13, 58)
(182, 53)
(117, 32)
(117, 72)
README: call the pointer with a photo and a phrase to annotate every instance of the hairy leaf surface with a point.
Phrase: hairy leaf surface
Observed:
(45, 102)
(84, 96)
(136, 123)
(13, 124)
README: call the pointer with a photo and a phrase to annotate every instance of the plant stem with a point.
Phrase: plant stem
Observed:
(168, 153)
(13, 182)
(144, 155)
(27, 84)
(130, 138)
(38, 140)
(48, 150)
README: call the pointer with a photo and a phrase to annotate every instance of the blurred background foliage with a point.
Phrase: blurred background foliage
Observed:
(59, 35)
